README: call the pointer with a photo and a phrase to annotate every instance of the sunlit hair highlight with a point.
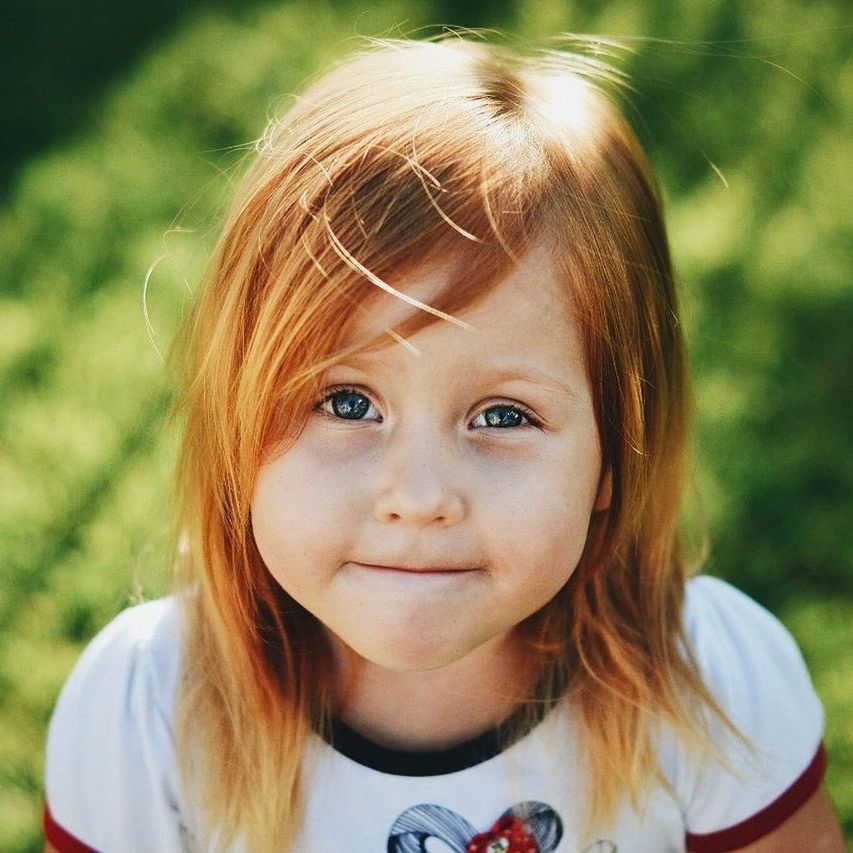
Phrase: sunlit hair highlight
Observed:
(409, 152)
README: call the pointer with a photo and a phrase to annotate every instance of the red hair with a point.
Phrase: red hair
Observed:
(402, 152)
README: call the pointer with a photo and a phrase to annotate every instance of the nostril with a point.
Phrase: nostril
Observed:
(395, 507)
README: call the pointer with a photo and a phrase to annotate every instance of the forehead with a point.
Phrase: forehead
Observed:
(521, 329)
(531, 289)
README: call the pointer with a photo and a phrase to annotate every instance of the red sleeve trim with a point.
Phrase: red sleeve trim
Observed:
(768, 818)
(62, 840)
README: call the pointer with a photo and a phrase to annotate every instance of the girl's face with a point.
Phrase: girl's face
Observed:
(440, 492)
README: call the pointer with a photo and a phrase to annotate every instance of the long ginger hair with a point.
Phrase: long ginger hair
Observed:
(406, 151)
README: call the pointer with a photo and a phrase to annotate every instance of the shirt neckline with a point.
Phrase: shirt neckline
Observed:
(462, 756)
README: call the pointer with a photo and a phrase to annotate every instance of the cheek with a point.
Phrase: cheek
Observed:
(540, 485)
(299, 513)
(539, 513)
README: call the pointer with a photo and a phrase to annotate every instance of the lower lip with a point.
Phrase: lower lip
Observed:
(426, 572)
(403, 584)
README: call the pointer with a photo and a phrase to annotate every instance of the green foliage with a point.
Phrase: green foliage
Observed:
(763, 254)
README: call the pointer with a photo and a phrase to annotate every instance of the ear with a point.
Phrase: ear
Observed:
(605, 492)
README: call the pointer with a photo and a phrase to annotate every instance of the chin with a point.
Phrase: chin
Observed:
(410, 653)
(418, 663)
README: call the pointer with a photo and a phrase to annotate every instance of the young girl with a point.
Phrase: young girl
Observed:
(432, 592)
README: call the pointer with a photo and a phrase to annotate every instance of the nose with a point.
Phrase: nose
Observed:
(419, 482)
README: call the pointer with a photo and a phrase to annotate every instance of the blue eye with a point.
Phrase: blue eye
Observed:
(503, 416)
(349, 405)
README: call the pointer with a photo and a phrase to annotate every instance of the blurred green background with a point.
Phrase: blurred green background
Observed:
(125, 133)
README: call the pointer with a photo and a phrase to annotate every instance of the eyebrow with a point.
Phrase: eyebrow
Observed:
(490, 375)
(528, 374)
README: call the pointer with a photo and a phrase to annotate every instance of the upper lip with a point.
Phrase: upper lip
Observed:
(409, 567)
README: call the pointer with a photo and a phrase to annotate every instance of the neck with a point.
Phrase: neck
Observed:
(434, 709)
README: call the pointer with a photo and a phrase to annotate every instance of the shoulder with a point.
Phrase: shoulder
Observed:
(753, 669)
(715, 612)
(110, 746)
(131, 664)
(747, 658)
(150, 630)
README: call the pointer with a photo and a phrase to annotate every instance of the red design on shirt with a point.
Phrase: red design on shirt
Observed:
(507, 835)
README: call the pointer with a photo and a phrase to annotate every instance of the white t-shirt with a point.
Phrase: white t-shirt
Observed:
(112, 783)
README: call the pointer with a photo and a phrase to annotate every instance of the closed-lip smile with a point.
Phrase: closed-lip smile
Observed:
(421, 570)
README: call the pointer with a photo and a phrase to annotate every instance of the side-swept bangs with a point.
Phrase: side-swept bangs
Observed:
(398, 157)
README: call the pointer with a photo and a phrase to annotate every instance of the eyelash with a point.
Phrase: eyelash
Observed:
(529, 418)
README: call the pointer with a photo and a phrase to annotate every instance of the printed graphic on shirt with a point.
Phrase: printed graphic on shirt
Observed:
(529, 827)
